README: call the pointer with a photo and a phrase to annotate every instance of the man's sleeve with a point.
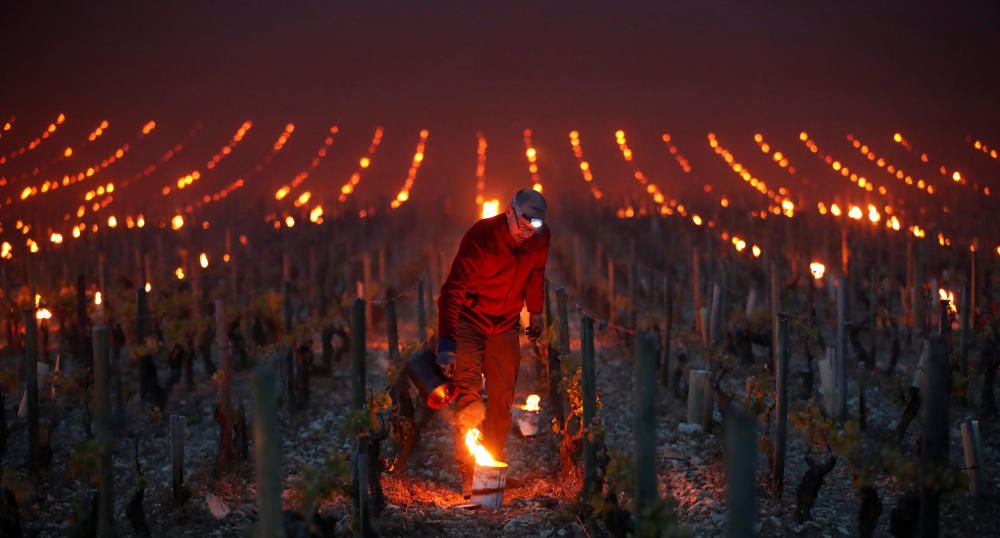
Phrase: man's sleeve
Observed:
(534, 291)
(458, 282)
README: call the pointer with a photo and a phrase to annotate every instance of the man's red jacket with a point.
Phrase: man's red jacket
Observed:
(492, 277)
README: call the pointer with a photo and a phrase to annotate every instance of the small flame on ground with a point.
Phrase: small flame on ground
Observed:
(491, 208)
(483, 458)
(817, 269)
(531, 403)
(149, 287)
(43, 313)
(949, 296)
(97, 297)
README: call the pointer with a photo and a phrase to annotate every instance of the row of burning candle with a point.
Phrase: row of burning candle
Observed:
(317, 211)
(66, 154)
(30, 146)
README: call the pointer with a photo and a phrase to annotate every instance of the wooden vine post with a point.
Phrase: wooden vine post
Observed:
(224, 463)
(972, 447)
(31, 388)
(287, 362)
(840, 363)
(558, 397)
(696, 292)
(781, 406)
(267, 453)
(666, 376)
(963, 336)
(741, 462)
(934, 447)
(775, 309)
(358, 404)
(81, 322)
(589, 407)
(102, 427)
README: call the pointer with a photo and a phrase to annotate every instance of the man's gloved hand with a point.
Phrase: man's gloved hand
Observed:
(534, 329)
(446, 355)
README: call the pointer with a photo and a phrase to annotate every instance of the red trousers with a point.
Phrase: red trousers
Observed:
(497, 358)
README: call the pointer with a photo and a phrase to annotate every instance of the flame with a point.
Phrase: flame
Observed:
(149, 287)
(949, 296)
(491, 208)
(97, 297)
(531, 403)
(817, 269)
(203, 260)
(179, 273)
(483, 458)
(177, 222)
(316, 215)
(43, 313)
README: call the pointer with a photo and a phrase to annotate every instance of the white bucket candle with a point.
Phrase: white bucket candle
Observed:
(527, 422)
(488, 482)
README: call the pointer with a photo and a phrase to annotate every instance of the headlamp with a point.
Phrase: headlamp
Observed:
(535, 222)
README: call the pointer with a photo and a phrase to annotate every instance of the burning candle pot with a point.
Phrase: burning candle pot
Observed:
(527, 416)
(489, 476)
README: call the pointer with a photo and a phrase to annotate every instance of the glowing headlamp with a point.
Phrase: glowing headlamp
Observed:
(536, 223)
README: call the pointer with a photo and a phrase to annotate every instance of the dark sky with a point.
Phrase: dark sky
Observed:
(466, 63)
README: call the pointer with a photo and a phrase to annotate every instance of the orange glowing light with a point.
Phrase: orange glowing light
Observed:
(873, 214)
(149, 287)
(531, 403)
(97, 297)
(491, 208)
(817, 269)
(855, 213)
(483, 458)
(203, 260)
(43, 314)
(316, 215)
(56, 238)
(179, 273)
(177, 222)
(290, 221)
(949, 296)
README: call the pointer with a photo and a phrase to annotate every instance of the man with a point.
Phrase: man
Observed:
(499, 267)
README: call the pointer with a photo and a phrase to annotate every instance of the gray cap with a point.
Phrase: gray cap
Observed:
(531, 203)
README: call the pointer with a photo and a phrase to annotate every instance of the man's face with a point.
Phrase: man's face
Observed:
(519, 227)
